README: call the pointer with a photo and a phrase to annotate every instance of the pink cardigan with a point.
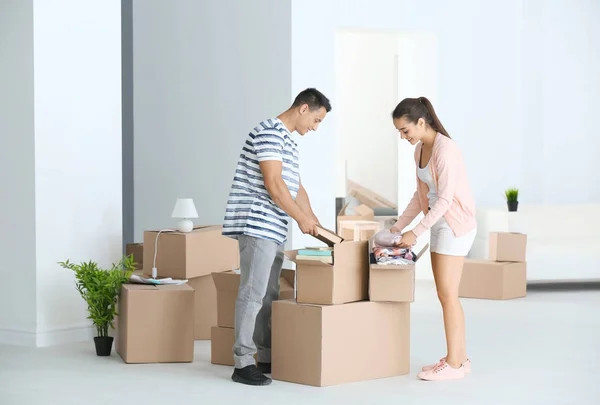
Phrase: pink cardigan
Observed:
(455, 201)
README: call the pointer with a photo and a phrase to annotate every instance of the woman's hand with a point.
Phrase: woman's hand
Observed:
(408, 240)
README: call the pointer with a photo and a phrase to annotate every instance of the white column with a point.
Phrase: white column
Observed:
(71, 166)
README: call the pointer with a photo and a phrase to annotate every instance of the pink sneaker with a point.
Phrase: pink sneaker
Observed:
(442, 371)
(466, 365)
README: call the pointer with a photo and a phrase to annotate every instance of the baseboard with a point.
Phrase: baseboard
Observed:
(17, 338)
(59, 336)
(50, 337)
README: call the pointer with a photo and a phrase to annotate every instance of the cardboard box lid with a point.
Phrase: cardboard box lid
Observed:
(401, 266)
(198, 229)
(369, 197)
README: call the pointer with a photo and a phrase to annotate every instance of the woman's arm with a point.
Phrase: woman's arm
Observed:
(410, 212)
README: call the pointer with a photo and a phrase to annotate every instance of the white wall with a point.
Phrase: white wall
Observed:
(62, 148)
(77, 153)
(513, 130)
(365, 93)
(17, 216)
(205, 73)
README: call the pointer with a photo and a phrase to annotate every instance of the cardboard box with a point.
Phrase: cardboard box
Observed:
(346, 280)
(193, 254)
(323, 345)
(221, 346)
(358, 230)
(493, 280)
(137, 250)
(508, 247)
(362, 213)
(155, 323)
(205, 306)
(393, 283)
(227, 285)
(368, 197)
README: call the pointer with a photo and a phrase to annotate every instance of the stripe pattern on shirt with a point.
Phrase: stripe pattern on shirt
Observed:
(250, 210)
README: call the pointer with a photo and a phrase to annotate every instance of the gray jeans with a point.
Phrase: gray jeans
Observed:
(260, 267)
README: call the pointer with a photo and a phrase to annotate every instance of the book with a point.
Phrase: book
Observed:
(328, 237)
(323, 259)
(311, 252)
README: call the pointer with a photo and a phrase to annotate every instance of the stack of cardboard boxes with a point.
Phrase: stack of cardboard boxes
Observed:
(158, 323)
(223, 334)
(504, 275)
(332, 333)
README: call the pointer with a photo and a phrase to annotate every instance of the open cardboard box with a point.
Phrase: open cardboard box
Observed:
(361, 213)
(346, 280)
(393, 283)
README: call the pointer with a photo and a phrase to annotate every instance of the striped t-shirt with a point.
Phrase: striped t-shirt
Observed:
(250, 209)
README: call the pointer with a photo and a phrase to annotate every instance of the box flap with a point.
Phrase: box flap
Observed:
(227, 281)
(343, 210)
(364, 210)
(289, 275)
(156, 287)
(422, 252)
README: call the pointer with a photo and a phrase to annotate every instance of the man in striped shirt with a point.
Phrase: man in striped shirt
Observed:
(267, 192)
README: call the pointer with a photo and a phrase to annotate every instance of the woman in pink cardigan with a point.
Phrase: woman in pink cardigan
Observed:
(444, 197)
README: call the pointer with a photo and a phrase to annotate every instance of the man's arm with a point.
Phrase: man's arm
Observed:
(304, 202)
(277, 189)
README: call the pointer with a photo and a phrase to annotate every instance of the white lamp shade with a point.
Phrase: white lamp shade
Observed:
(184, 208)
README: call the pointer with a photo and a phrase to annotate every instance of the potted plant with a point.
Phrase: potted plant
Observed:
(512, 198)
(100, 289)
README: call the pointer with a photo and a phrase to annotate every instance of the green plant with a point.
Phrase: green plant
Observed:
(100, 289)
(512, 194)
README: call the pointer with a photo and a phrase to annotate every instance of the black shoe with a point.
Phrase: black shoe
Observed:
(250, 375)
(264, 368)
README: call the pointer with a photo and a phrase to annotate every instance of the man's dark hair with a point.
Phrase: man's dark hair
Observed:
(314, 98)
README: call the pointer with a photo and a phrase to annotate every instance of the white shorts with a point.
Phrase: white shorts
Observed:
(444, 242)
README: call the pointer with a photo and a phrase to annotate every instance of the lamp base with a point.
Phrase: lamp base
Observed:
(185, 225)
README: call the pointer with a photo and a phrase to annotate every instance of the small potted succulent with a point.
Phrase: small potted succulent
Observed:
(100, 289)
(512, 199)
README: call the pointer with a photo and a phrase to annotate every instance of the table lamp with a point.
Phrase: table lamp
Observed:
(184, 210)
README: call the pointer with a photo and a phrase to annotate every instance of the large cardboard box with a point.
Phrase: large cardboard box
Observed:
(323, 345)
(346, 280)
(193, 254)
(361, 213)
(221, 346)
(393, 283)
(508, 247)
(205, 306)
(137, 250)
(493, 280)
(155, 323)
(227, 285)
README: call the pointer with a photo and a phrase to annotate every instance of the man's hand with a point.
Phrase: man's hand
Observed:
(408, 240)
(308, 225)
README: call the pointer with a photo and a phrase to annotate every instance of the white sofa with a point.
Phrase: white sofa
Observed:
(563, 241)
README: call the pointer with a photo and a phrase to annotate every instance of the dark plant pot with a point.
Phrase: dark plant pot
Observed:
(103, 345)
(512, 205)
